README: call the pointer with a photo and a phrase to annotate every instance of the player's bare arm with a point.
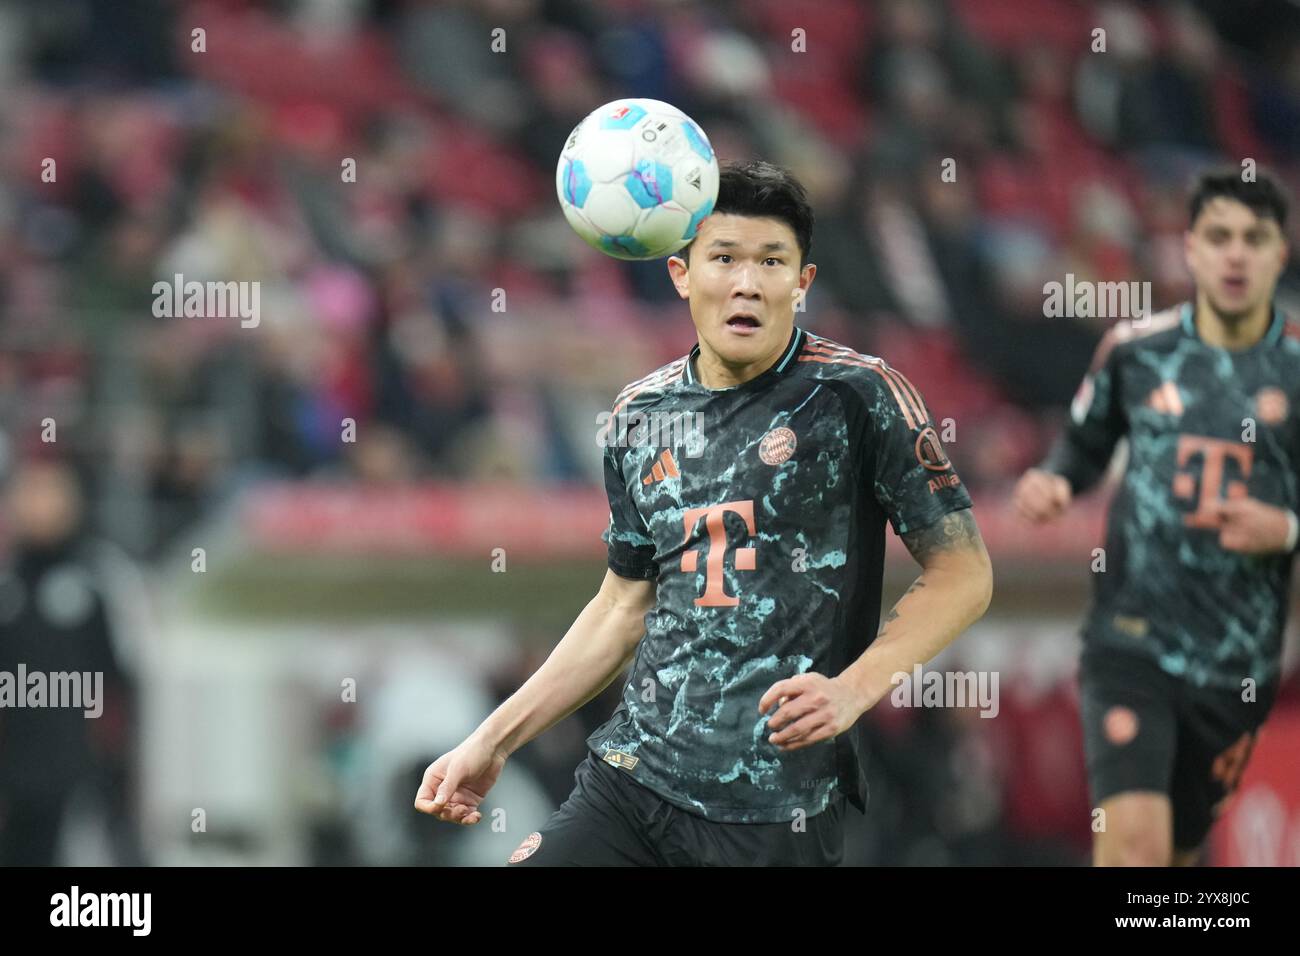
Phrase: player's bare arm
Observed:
(952, 592)
(597, 648)
(1251, 526)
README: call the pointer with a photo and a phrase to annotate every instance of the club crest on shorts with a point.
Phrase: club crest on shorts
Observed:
(527, 848)
(1121, 725)
(777, 446)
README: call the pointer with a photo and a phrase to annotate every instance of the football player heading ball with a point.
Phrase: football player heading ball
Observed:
(744, 579)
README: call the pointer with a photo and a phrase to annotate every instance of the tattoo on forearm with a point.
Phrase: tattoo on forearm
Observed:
(955, 531)
(893, 613)
(890, 618)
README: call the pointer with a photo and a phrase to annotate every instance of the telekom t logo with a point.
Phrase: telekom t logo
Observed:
(714, 595)
(1214, 454)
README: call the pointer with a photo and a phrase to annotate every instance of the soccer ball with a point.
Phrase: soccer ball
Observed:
(636, 178)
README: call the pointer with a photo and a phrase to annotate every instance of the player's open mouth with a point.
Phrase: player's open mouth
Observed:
(1235, 284)
(743, 323)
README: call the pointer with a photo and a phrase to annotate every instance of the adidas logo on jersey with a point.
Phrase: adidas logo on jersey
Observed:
(665, 467)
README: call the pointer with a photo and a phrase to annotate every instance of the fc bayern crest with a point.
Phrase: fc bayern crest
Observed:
(1121, 725)
(777, 446)
(1271, 405)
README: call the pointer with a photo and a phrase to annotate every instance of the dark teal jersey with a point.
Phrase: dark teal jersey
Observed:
(760, 515)
(1202, 424)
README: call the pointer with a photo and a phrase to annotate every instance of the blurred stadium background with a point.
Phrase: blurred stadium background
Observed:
(230, 734)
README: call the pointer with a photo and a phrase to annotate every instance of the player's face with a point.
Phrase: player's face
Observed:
(742, 282)
(1235, 257)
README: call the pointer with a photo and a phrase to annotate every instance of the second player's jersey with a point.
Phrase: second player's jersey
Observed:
(1203, 424)
(759, 511)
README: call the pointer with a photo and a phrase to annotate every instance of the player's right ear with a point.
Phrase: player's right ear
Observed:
(679, 272)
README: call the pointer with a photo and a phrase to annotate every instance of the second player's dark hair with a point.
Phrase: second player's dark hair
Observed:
(1263, 196)
(759, 188)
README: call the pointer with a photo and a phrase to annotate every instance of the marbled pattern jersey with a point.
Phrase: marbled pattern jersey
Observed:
(760, 516)
(1203, 424)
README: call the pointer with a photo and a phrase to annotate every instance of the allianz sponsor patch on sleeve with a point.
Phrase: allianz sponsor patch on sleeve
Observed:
(616, 758)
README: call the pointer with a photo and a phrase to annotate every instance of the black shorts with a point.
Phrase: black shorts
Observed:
(1144, 729)
(610, 820)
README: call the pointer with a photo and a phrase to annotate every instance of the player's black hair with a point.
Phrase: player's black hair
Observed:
(759, 188)
(1263, 196)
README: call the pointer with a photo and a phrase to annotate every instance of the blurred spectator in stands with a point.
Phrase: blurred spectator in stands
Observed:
(1275, 105)
(1134, 95)
(451, 50)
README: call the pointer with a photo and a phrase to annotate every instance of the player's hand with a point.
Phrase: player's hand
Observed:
(1041, 496)
(1250, 526)
(810, 708)
(457, 782)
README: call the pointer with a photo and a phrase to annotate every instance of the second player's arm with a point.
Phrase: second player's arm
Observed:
(1079, 457)
(952, 592)
(597, 648)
